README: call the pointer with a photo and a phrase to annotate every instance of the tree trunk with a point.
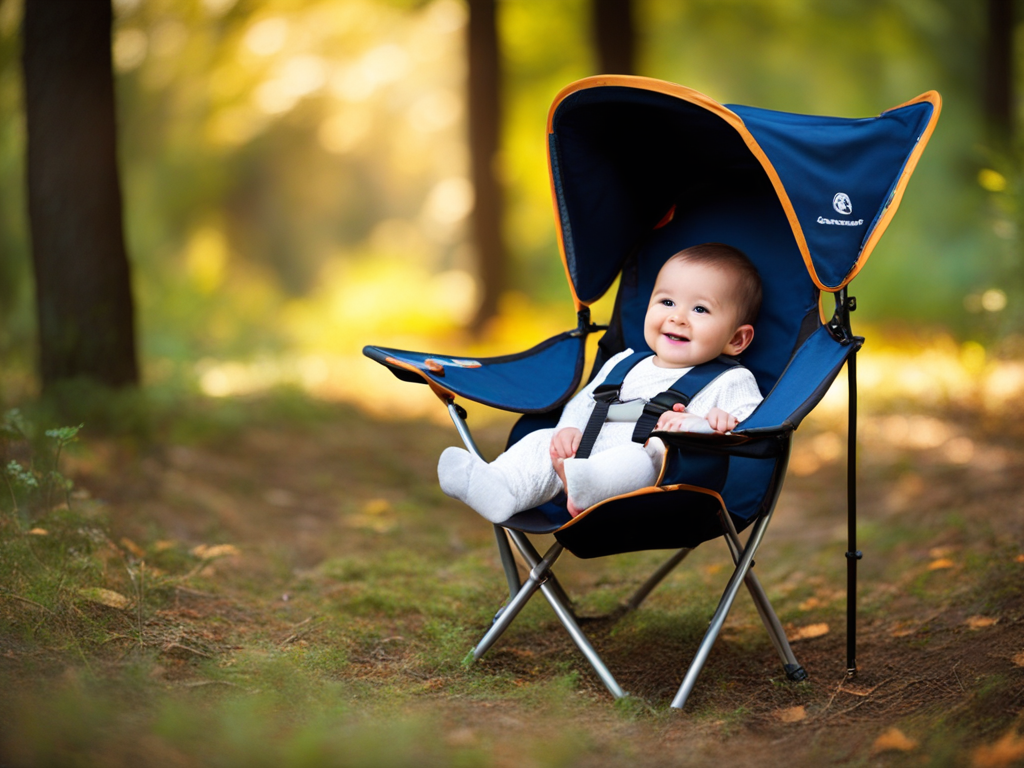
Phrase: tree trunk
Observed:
(998, 87)
(615, 36)
(484, 142)
(83, 292)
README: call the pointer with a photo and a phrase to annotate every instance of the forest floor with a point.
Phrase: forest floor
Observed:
(279, 581)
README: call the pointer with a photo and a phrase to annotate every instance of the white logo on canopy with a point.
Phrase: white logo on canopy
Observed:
(841, 202)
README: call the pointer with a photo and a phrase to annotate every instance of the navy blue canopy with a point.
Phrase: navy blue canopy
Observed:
(641, 169)
(625, 152)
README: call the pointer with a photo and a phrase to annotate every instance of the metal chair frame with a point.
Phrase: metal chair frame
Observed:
(542, 577)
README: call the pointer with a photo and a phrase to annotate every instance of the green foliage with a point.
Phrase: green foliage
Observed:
(32, 482)
(282, 161)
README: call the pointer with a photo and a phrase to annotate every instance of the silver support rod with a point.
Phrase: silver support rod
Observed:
(508, 560)
(538, 575)
(738, 576)
(532, 557)
(764, 607)
(656, 578)
(463, 429)
(561, 605)
(719, 618)
(569, 622)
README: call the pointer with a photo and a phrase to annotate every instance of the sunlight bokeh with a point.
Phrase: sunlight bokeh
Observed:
(297, 185)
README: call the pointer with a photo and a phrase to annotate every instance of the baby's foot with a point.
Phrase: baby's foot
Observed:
(469, 479)
(573, 509)
(453, 469)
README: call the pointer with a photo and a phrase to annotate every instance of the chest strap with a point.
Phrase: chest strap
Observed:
(682, 391)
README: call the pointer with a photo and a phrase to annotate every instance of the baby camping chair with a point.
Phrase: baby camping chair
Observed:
(641, 169)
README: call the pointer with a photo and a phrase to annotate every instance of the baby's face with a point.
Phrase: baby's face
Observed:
(692, 316)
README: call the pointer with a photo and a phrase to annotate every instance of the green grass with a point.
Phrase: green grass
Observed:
(346, 646)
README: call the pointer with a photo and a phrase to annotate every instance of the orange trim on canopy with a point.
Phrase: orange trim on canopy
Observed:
(935, 100)
(694, 97)
(734, 120)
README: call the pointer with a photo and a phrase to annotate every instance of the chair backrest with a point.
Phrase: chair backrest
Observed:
(755, 223)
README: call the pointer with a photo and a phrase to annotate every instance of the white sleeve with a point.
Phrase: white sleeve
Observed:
(735, 392)
(577, 411)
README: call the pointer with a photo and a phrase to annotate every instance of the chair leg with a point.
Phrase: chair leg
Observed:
(569, 622)
(656, 578)
(532, 557)
(562, 607)
(794, 671)
(538, 575)
(508, 561)
(724, 605)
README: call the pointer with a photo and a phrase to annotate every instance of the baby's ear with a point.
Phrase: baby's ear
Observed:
(740, 340)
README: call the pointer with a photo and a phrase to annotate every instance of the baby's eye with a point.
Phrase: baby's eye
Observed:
(667, 303)
(699, 309)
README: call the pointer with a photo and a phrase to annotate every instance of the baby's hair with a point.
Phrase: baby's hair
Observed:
(748, 281)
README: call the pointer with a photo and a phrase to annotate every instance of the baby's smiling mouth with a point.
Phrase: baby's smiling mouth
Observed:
(673, 337)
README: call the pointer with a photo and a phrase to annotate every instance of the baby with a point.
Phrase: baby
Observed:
(704, 303)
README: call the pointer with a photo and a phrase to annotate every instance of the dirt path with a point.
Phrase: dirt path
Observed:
(343, 541)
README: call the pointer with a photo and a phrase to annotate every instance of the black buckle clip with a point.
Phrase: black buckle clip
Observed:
(664, 401)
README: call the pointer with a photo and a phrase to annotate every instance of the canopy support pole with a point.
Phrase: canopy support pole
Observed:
(852, 553)
(840, 326)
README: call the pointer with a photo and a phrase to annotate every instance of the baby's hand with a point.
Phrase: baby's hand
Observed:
(565, 442)
(672, 421)
(721, 421)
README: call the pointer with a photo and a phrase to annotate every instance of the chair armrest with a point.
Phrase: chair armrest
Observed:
(806, 379)
(536, 380)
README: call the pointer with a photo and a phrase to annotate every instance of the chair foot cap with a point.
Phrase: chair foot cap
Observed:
(795, 672)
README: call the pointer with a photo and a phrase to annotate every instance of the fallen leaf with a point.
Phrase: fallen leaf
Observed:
(39, 532)
(376, 507)
(1002, 754)
(941, 564)
(205, 552)
(893, 740)
(904, 629)
(980, 622)
(164, 544)
(792, 714)
(107, 597)
(808, 632)
(1019, 558)
(854, 690)
(809, 603)
(132, 547)
(937, 552)
(1018, 660)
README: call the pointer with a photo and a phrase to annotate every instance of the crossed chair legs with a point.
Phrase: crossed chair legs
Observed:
(543, 578)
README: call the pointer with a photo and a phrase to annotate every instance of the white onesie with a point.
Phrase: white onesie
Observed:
(522, 477)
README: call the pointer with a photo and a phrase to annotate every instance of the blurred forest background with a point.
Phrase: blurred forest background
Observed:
(297, 176)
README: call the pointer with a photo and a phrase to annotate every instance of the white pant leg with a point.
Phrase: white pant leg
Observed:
(519, 479)
(527, 470)
(617, 470)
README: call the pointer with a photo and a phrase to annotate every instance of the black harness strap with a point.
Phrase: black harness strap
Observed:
(606, 393)
(682, 391)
